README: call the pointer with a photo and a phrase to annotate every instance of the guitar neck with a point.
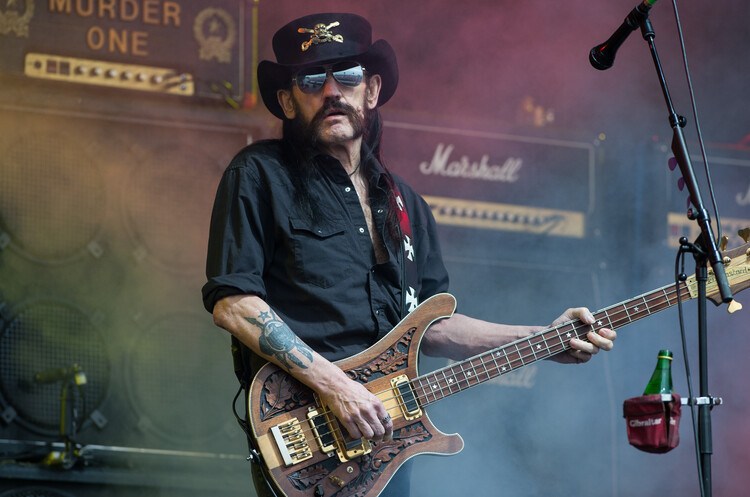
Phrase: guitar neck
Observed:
(457, 377)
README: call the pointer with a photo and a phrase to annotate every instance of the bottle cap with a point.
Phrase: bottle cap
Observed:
(665, 354)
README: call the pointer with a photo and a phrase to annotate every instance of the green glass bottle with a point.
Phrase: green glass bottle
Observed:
(661, 380)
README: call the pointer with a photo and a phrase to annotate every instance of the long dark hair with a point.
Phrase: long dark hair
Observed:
(371, 150)
(300, 147)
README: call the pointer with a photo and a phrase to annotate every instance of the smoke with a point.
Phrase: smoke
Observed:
(111, 215)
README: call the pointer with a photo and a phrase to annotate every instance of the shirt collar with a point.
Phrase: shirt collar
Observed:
(332, 166)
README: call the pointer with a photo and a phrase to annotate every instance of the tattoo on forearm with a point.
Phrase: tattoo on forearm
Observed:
(279, 341)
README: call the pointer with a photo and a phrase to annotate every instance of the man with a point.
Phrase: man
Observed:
(306, 263)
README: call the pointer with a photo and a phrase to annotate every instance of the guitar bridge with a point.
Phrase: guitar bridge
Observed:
(291, 442)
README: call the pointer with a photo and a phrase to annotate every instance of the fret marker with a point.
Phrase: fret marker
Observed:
(538, 346)
(503, 368)
(568, 335)
(450, 380)
(636, 308)
(468, 373)
(434, 387)
(599, 323)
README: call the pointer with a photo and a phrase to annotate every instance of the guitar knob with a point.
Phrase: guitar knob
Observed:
(319, 492)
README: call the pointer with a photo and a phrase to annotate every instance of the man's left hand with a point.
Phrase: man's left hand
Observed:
(582, 350)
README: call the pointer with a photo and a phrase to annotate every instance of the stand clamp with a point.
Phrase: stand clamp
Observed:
(702, 401)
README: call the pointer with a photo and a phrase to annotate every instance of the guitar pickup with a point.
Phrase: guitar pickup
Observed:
(354, 448)
(291, 442)
(407, 400)
(331, 438)
(321, 430)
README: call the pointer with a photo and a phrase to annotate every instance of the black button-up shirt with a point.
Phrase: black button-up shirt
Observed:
(321, 277)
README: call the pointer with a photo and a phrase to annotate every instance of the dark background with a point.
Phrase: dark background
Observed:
(105, 198)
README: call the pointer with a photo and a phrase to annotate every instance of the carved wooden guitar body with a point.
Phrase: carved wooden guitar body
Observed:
(303, 448)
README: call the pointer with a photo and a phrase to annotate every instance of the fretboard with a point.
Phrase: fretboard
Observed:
(457, 377)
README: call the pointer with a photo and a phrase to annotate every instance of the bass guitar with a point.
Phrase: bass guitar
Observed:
(306, 453)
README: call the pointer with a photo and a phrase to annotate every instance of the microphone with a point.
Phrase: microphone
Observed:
(603, 56)
(58, 374)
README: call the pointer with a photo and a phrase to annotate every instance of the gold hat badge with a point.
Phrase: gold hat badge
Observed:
(320, 34)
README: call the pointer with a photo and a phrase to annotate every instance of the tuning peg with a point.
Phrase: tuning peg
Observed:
(744, 234)
(723, 243)
(734, 306)
(672, 163)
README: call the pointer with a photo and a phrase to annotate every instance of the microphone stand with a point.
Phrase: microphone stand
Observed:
(68, 426)
(705, 250)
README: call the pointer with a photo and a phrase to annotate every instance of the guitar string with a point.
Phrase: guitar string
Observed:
(660, 296)
(545, 337)
(524, 358)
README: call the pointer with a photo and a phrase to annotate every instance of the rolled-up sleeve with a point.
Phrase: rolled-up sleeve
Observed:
(240, 234)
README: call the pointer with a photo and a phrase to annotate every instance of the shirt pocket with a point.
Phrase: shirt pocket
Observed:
(321, 250)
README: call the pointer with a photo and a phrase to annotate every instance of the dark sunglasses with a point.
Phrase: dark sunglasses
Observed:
(312, 79)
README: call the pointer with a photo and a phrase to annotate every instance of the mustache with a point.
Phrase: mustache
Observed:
(336, 105)
(311, 131)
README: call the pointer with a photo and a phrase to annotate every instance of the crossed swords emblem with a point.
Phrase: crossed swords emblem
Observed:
(320, 34)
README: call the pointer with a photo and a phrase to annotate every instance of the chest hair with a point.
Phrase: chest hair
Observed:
(381, 254)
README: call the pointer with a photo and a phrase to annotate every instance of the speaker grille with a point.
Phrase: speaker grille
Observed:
(168, 204)
(34, 492)
(46, 335)
(52, 197)
(166, 398)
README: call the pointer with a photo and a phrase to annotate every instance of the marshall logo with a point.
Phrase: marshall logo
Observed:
(441, 165)
(16, 17)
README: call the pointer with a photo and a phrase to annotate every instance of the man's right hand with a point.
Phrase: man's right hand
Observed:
(358, 410)
(255, 324)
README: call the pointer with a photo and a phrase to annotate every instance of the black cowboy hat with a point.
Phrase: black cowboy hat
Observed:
(321, 39)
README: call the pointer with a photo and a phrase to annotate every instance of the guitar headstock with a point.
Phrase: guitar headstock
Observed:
(737, 267)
